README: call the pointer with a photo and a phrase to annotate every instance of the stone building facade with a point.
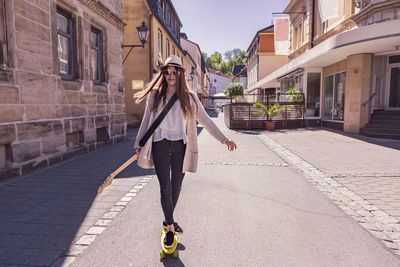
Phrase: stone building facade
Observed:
(61, 81)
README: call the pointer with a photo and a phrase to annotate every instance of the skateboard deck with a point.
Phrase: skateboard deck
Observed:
(111, 177)
(168, 251)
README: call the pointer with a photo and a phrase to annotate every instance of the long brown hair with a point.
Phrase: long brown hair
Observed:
(159, 85)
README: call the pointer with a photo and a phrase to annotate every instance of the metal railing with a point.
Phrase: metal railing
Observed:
(241, 113)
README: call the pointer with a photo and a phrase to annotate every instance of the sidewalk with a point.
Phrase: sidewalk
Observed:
(48, 213)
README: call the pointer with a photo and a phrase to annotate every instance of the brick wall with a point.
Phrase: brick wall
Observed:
(45, 118)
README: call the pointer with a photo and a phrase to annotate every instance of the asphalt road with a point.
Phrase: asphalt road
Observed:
(236, 215)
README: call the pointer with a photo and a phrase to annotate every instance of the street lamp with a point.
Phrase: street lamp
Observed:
(143, 33)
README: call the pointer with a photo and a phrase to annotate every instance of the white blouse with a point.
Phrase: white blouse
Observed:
(173, 126)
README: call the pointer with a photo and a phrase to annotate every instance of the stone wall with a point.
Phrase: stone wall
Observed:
(44, 118)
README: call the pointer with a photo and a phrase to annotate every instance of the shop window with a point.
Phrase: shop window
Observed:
(313, 94)
(96, 62)
(334, 96)
(102, 135)
(74, 140)
(65, 36)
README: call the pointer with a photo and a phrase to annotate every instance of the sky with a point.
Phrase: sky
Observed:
(222, 25)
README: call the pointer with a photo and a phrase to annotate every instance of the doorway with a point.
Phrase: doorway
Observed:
(394, 93)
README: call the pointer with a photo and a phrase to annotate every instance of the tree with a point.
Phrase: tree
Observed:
(234, 89)
(232, 57)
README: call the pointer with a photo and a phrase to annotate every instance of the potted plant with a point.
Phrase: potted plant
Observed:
(295, 95)
(270, 111)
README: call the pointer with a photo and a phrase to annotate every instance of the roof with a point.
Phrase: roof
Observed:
(217, 72)
(184, 36)
(236, 69)
(268, 29)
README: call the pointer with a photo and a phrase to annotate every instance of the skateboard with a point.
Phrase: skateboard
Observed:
(110, 177)
(168, 251)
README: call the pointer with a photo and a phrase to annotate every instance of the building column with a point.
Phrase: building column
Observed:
(358, 91)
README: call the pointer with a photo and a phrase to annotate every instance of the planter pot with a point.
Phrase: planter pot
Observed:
(270, 125)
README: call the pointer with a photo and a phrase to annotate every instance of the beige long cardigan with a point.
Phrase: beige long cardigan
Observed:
(191, 155)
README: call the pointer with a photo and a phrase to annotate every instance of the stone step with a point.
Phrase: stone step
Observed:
(380, 134)
(383, 125)
(385, 120)
(387, 112)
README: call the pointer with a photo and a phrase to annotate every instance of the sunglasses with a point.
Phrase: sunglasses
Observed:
(168, 72)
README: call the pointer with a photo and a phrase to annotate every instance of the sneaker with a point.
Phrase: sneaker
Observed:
(178, 229)
(169, 239)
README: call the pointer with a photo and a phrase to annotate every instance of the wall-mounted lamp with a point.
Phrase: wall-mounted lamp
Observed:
(143, 33)
(191, 75)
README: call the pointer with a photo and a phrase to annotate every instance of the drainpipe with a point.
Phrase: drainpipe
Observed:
(312, 23)
(151, 57)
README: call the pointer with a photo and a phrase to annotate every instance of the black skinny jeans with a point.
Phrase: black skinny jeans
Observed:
(168, 161)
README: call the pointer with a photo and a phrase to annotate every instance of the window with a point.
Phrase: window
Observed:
(170, 19)
(298, 34)
(173, 25)
(160, 43)
(3, 37)
(96, 54)
(65, 44)
(173, 50)
(163, 10)
(313, 94)
(360, 4)
(167, 48)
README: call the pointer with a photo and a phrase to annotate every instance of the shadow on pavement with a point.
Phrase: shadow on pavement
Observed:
(44, 213)
(170, 261)
(212, 113)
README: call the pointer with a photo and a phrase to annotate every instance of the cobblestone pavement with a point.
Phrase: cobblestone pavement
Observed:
(50, 217)
(361, 175)
(251, 151)
(267, 207)
(56, 212)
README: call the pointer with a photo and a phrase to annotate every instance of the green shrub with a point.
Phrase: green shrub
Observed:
(234, 89)
(295, 95)
(270, 111)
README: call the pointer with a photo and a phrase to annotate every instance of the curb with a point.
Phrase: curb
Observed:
(98, 228)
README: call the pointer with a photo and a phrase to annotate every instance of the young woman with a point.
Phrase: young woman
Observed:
(172, 150)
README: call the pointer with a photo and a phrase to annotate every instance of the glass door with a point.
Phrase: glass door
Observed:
(334, 96)
(313, 94)
(328, 101)
(338, 104)
(394, 95)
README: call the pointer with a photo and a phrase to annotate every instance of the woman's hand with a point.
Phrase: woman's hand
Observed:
(137, 150)
(230, 144)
